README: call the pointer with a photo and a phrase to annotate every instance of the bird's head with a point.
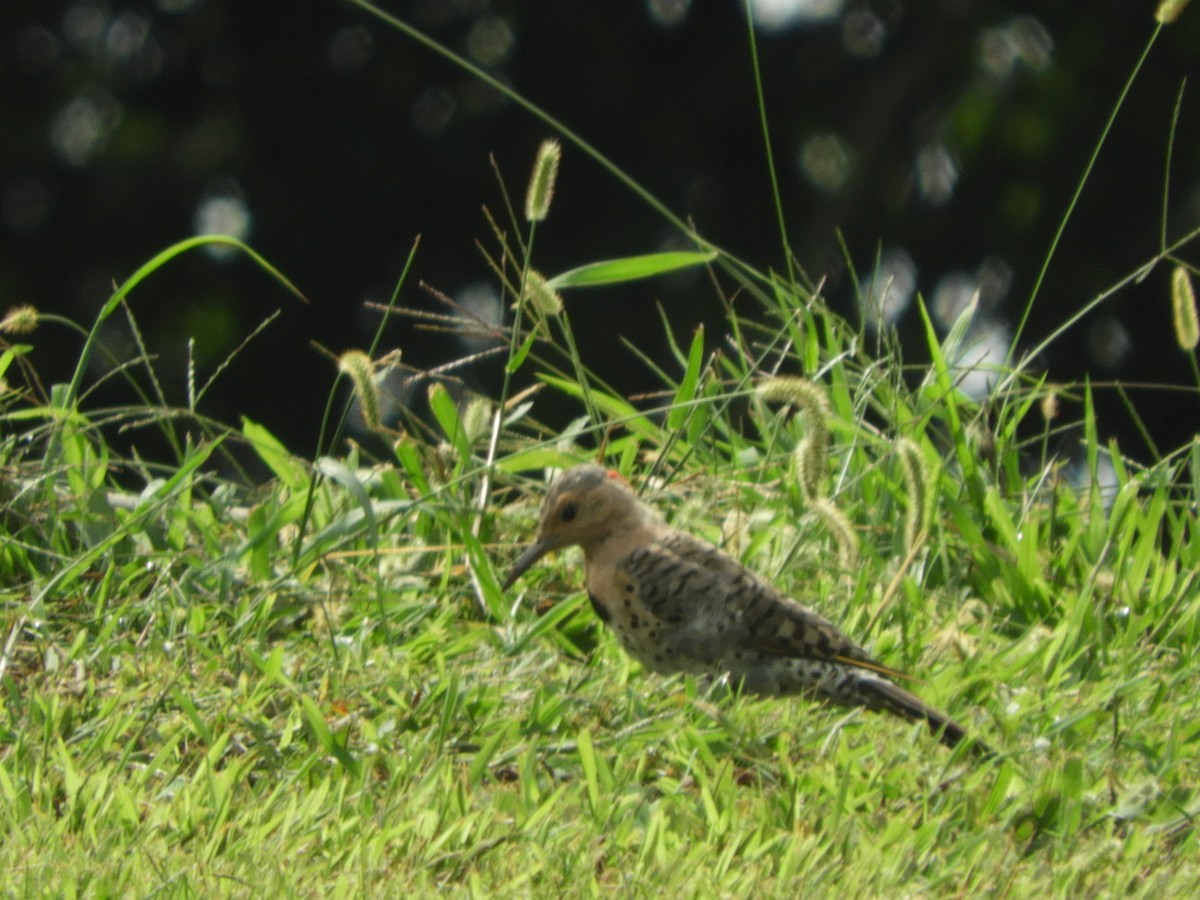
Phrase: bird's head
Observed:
(584, 506)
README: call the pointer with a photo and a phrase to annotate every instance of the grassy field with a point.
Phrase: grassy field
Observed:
(312, 684)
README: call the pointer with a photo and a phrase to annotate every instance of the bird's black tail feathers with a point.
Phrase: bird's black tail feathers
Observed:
(884, 696)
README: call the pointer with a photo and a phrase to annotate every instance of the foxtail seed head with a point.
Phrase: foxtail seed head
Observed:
(916, 485)
(476, 418)
(1170, 10)
(538, 294)
(800, 391)
(1183, 308)
(1050, 405)
(541, 183)
(810, 466)
(838, 525)
(357, 366)
(812, 453)
(19, 320)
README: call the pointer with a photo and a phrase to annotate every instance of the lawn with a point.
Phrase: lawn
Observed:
(309, 682)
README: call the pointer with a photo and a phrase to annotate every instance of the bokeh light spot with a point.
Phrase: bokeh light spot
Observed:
(84, 22)
(1023, 40)
(937, 174)
(825, 161)
(778, 15)
(951, 296)
(350, 49)
(863, 33)
(954, 290)
(433, 110)
(490, 41)
(887, 292)
(976, 366)
(1108, 342)
(668, 13)
(482, 311)
(126, 35)
(80, 128)
(224, 211)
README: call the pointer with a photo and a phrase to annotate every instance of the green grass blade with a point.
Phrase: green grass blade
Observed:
(629, 268)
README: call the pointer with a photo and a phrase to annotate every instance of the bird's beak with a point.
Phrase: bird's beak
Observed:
(532, 554)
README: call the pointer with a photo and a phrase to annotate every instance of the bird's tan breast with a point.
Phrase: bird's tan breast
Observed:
(643, 596)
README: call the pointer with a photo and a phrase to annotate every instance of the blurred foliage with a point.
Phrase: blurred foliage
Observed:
(951, 132)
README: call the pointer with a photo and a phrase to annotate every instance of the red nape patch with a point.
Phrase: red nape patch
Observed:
(616, 476)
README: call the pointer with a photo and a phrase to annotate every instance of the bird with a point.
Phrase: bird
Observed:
(678, 604)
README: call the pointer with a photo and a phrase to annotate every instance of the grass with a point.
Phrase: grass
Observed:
(313, 685)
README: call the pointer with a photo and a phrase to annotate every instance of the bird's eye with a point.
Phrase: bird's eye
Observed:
(568, 513)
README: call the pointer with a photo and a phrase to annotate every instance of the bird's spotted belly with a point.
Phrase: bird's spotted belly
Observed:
(647, 639)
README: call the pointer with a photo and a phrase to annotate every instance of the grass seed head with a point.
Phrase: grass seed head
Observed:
(541, 183)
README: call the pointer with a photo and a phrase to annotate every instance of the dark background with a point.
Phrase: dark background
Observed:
(342, 140)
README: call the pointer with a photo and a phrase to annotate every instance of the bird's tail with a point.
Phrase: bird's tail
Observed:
(879, 694)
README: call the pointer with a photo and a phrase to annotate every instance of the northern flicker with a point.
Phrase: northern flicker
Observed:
(679, 604)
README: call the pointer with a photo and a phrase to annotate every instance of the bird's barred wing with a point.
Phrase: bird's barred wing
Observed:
(720, 611)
